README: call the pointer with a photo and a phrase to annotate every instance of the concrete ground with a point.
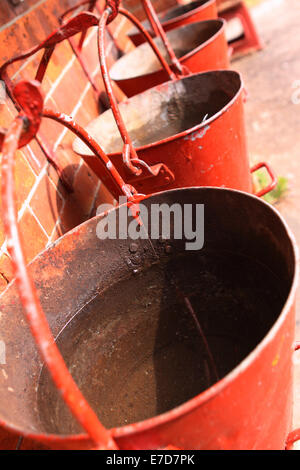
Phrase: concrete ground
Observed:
(272, 78)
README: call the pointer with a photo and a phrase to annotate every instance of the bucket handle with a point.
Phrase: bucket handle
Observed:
(19, 133)
(122, 11)
(293, 436)
(35, 316)
(91, 5)
(159, 32)
(131, 160)
(149, 39)
(272, 175)
(78, 24)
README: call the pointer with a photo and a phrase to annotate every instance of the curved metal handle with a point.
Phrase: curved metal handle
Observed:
(75, 25)
(30, 100)
(159, 31)
(33, 311)
(293, 436)
(129, 152)
(150, 40)
(130, 158)
(272, 175)
(99, 162)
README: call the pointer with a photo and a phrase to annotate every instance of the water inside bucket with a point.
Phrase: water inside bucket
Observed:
(135, 350)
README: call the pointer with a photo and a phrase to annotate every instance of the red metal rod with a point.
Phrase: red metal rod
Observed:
(77, 48)
(148, 37)
(110, 177)
(36, 318)
(113, 7)
(77, 52)
(44, 64)
(159, 31)
(112, 100)
(203, 337)
(75, 25)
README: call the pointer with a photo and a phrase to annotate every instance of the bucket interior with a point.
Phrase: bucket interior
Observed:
(142, 59)
(181, 10)
(171, 14)
(165, 111)
(127, 320)
(137, 356)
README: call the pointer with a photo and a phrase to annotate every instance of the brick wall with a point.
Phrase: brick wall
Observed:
(46, 206)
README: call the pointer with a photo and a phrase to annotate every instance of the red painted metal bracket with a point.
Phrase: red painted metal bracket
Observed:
(30, 100)
(179, 70)
(75, 25)
(144, 184)
(272, 175)
(78, 45)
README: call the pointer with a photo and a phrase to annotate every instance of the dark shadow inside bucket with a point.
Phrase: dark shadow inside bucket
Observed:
(136, 351)
(172, 13)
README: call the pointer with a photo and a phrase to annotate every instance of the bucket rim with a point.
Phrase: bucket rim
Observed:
(134, 31)
(142, 426)
(222, 384)
(181, 59)
(181, 134)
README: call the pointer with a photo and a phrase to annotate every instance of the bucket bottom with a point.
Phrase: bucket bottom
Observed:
(162, 336)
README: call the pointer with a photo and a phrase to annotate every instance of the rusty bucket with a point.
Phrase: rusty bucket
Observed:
(199, 47)
(188, 131)
(180, 15)
(138, 357)
(194, 126)
(194, 351)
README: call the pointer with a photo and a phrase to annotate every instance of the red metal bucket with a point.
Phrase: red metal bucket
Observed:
(141, 357)
(198, 46)
(206, 147)
(249, 408)
(179, 16)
